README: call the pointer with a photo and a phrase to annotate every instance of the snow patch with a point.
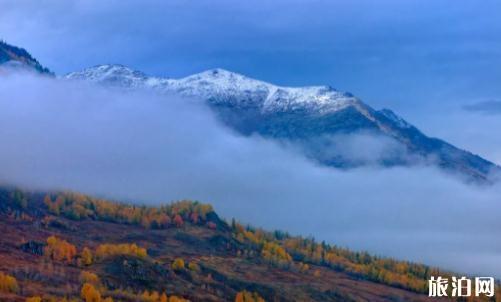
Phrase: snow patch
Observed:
(221, 85)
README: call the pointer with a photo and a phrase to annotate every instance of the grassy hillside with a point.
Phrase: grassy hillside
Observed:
(72, 247)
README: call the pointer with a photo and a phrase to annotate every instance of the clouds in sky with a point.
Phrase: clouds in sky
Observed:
(486, 107)
(146, 148)
(423, 59)
(388, 52)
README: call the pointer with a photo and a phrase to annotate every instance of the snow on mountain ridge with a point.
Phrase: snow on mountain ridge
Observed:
(307, 116)
(395, 118)
(117, 75)
(225, 86)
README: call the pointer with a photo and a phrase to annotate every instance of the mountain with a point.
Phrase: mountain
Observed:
(19, 58)
(59, 244)
(332, 127)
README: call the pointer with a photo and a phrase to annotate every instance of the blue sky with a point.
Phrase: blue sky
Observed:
(421, 58)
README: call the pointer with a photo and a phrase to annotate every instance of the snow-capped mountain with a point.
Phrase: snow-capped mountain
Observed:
(333, 128)
(13, 57)
(319, 119)
(224, 86)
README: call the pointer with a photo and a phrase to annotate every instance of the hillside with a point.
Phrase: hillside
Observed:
(66, 244)
(18, 58)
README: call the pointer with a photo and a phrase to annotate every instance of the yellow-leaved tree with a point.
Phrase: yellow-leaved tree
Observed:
(8, 284)
(245, 296)
(107, 250)
(86, 256)
(90, 294)
(178, 264)
(59, 249)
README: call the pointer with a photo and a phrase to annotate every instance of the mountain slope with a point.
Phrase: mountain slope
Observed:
(318, 119)
(55, 243)
(19, 58)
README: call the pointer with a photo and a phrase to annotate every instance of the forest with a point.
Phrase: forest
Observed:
(91, 249)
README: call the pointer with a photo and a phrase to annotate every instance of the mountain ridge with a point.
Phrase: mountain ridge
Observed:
(310, 116)
(16, 57)
(216, 81)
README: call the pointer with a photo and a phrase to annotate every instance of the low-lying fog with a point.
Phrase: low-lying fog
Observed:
(145, 148)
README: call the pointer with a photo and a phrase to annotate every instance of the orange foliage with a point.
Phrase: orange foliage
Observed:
(275, 253)
(245, 296)
(178, 264)
(88, 277)
(104, 251)
(163, 298)
(150, 297)
(303, 267)
(192, 266)
(86, 256)
(90, 294)
(147, 296)
(194, 218)
(59, 249)
(275, 248)
(79, 206)
(8, 284)
(178, 220)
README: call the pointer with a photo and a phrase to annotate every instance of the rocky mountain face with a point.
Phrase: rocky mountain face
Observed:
(334, 128)
(331, 127)
(18, 58)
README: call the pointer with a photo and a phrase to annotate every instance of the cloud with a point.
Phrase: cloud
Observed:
(362, 148)
(486, 107)
(146, 148)
(420, 58)
(468, 130)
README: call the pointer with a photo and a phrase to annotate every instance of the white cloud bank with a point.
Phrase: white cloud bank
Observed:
(147, 148)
